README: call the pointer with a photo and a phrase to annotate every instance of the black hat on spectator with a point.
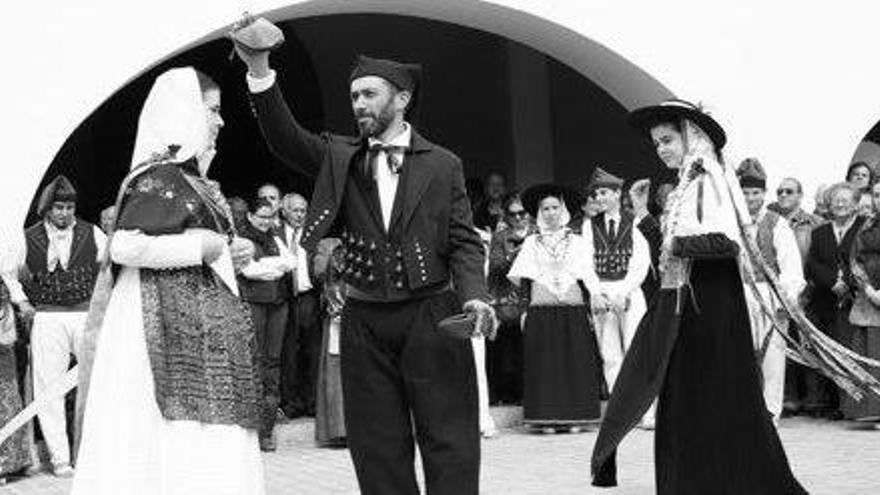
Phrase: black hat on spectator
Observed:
(60, 189)
(675, 110)
(751, 174)
(603, 179)
(533, 196)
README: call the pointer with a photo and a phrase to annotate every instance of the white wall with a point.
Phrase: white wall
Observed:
(792, 83)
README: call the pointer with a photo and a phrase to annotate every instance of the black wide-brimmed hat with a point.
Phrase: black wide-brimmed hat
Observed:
(532, 197)
(675, 110)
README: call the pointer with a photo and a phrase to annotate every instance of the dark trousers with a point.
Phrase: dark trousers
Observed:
(822, 396)
(397, 369)
(300, 355)
(504, 364)
(270, 325)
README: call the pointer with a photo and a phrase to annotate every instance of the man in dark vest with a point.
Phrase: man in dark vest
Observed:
(266, 285)
(412, 255)
(779, 248)
(61, 265)
(622, 260)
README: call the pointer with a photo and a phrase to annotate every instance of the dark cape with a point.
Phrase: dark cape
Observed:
(714, 434)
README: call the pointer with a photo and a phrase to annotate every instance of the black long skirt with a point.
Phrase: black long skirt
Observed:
(714, 434)
(561, 372)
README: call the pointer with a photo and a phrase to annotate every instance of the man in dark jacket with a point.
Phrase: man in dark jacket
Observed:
(829, 274)
(411, 247)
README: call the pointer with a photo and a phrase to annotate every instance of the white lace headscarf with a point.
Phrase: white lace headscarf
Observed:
(722, 198)
(541, 219)
(174, 116)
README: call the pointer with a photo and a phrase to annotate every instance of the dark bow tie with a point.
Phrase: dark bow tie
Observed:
(391, 152)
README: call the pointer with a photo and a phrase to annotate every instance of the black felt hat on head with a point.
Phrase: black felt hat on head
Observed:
(404, 76)
(602, 178)
(531, 197)
(751, 174)
(675, 110)
(60, 189)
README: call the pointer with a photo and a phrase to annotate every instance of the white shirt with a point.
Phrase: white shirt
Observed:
(301, 274)
(788, 256)
(386, 180)
(271, 267)
(840, 231)
(616, 217)
(639, 262)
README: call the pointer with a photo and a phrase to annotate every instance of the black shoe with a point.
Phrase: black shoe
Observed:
(267, 444)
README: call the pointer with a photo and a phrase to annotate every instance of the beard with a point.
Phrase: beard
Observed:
(372, 125)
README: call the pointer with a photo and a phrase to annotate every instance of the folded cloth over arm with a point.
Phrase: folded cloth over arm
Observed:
(713, 245)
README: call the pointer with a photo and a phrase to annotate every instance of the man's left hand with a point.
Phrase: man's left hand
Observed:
(486, 323)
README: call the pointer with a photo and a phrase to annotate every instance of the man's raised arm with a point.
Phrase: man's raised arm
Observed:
(297, 147)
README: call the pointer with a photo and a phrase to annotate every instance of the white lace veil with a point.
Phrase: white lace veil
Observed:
(174, 116)
(564, 215)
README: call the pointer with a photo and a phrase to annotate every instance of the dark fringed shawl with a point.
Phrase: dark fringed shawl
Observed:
(199, 335)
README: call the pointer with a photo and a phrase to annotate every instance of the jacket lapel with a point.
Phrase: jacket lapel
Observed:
(416, 176)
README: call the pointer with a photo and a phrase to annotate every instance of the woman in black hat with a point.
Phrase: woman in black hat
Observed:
(693, 349)
(561, 373)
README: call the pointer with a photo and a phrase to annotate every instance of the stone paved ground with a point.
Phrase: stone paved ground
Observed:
(827, 457)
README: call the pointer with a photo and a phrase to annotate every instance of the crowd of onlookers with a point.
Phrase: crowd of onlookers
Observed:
(839, 247)
(296, 301)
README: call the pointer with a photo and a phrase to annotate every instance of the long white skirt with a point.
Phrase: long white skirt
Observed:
(128, 447)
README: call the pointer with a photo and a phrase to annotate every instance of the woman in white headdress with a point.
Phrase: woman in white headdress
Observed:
(561, 371)
(693, 350)
(174, 400)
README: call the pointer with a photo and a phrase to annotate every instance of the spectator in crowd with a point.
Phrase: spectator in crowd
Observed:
(865, 206)
(822, 207)
(329, 406)
(108, 218)
(58, 275)
(622, 260)
(860, 175)
(829, 272)
(490, 212)
(561, 372)
(779, 249)
(272, 195)
(504, 354)
(302, 344)
(789, 196)
(650, 229)
(863, 336)
(15, 452)
(265, 285)
(589, 208)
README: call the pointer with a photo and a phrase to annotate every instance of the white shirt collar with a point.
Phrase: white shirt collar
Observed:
(402, 139)
(52, 230)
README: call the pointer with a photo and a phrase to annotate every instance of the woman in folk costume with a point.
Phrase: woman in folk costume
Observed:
(561, 372)
(694, 348)
(15, 452)
(174, 401)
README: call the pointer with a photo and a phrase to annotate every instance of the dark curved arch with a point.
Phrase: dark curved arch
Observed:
(596, 80)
